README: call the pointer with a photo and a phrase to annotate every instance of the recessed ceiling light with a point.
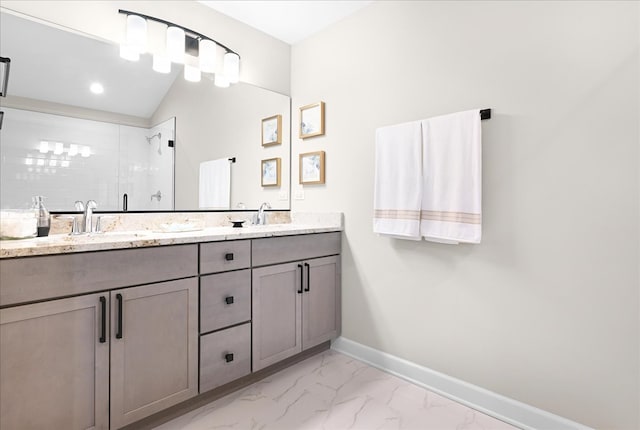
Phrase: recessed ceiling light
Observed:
(96, 88)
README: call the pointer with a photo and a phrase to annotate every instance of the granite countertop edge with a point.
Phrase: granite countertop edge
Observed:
(65, 244)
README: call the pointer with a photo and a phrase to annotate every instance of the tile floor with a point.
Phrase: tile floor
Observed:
(332, 391)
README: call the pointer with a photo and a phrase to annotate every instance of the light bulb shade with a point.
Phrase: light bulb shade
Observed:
(129, 53)
(175, 44)
(44, 146)
(207, 56)
(161, 63)
(192, 73)
(85, 151)
(221, 81)
(232, 67)
(137, 33)
(73, 150)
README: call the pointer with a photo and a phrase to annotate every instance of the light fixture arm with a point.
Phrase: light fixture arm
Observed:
(197, 35)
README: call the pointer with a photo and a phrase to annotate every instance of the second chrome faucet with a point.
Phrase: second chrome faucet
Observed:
(87, 217)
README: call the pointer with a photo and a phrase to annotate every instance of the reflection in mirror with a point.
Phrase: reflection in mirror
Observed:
(49, 100)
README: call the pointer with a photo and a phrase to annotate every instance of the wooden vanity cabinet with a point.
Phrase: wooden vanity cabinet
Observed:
(98, 360)
(54, 364)
(296, 305)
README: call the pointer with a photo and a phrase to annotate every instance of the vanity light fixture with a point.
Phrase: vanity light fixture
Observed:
(183, 46)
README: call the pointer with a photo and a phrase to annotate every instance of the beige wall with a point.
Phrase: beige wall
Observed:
(546, 309)
(265, 60)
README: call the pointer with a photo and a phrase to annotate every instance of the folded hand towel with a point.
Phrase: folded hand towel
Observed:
(397, 187)
(452, 178)
(215, 184)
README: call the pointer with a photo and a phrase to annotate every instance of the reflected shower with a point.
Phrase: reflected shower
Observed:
(159, 136)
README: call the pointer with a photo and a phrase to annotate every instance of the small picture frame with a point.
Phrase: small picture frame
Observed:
(311, 120)
(270, 172)
(272, 130)
(312, 168)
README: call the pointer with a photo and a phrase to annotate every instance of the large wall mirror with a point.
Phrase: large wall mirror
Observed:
(163, 141)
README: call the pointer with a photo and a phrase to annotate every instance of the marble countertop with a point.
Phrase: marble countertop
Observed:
(64, 243)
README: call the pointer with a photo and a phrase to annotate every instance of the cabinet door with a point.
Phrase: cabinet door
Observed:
(154, 348)
(276, 319)
(321, 313)
(53, 366)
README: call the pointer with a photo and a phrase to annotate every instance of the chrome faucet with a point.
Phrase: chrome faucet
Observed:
(88, 215)
(261, 218)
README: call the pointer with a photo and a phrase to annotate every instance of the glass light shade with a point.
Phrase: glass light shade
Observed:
(53, 163)
(175, 44)
(73, 149)
(58, 148)
(207, 56)
(64, 163)
(129, 53)
(192, 73)
(28, 161)
(44, 146)
(232, 67)
(161, 63)
(85, 151)
(40, 162)
(137, 33)
(221, 81)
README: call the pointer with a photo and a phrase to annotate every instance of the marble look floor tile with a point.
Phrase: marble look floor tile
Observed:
(332, 391)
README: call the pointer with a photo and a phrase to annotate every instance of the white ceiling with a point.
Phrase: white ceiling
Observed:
(290, 21)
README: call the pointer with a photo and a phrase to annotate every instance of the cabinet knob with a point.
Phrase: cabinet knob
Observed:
(229, 256)
(229, 300)
(228, 357)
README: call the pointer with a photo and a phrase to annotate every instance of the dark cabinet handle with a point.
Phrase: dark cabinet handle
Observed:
(301, 278)
(229, 300)
(306, 266)
(119, 327)
(103, 321)
(229, 256)
(228, 357)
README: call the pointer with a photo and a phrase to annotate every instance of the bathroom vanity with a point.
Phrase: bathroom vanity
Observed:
(103, 332)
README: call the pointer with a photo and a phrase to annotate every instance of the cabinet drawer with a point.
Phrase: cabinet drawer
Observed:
(225, 299)
(223, 256)
(37, 278)
(292, 248)
(225, 356)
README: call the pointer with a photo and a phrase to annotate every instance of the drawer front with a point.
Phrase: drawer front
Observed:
(225, 299)
(223, 256)
(217, 367)
(293, 248)
(45, 277)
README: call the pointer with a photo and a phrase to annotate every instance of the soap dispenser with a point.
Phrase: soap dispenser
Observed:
(44, 219)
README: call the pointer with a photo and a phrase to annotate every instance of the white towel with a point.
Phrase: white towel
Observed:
(452, 178)
(215, 184)
(398, 181)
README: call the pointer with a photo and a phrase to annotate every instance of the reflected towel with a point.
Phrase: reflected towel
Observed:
(398, 181)
(215, 184)
(452, 178)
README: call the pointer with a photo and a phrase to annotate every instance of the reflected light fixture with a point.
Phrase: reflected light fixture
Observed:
(73, 150)
(58, 148)
(196, 51)
(85, 151)
(96, 88)
(44, 146)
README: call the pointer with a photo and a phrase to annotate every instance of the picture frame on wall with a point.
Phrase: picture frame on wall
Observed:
(272, 130)
(270, 172)
(312, 168)
(311, 120)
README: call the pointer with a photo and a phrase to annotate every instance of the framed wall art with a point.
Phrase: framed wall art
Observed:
(312, 168)
(270, 172)
(311, 120)
(272, 130)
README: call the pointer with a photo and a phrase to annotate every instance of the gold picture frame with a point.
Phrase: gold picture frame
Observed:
(272, 130)
(311, 120)
(270, 172)
(312, 168)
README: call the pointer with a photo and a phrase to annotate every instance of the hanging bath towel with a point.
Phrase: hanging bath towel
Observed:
(215, 184)
(398, 181)
(452, 178)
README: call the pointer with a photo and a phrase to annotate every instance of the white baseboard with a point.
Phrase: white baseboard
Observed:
(503, 408)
